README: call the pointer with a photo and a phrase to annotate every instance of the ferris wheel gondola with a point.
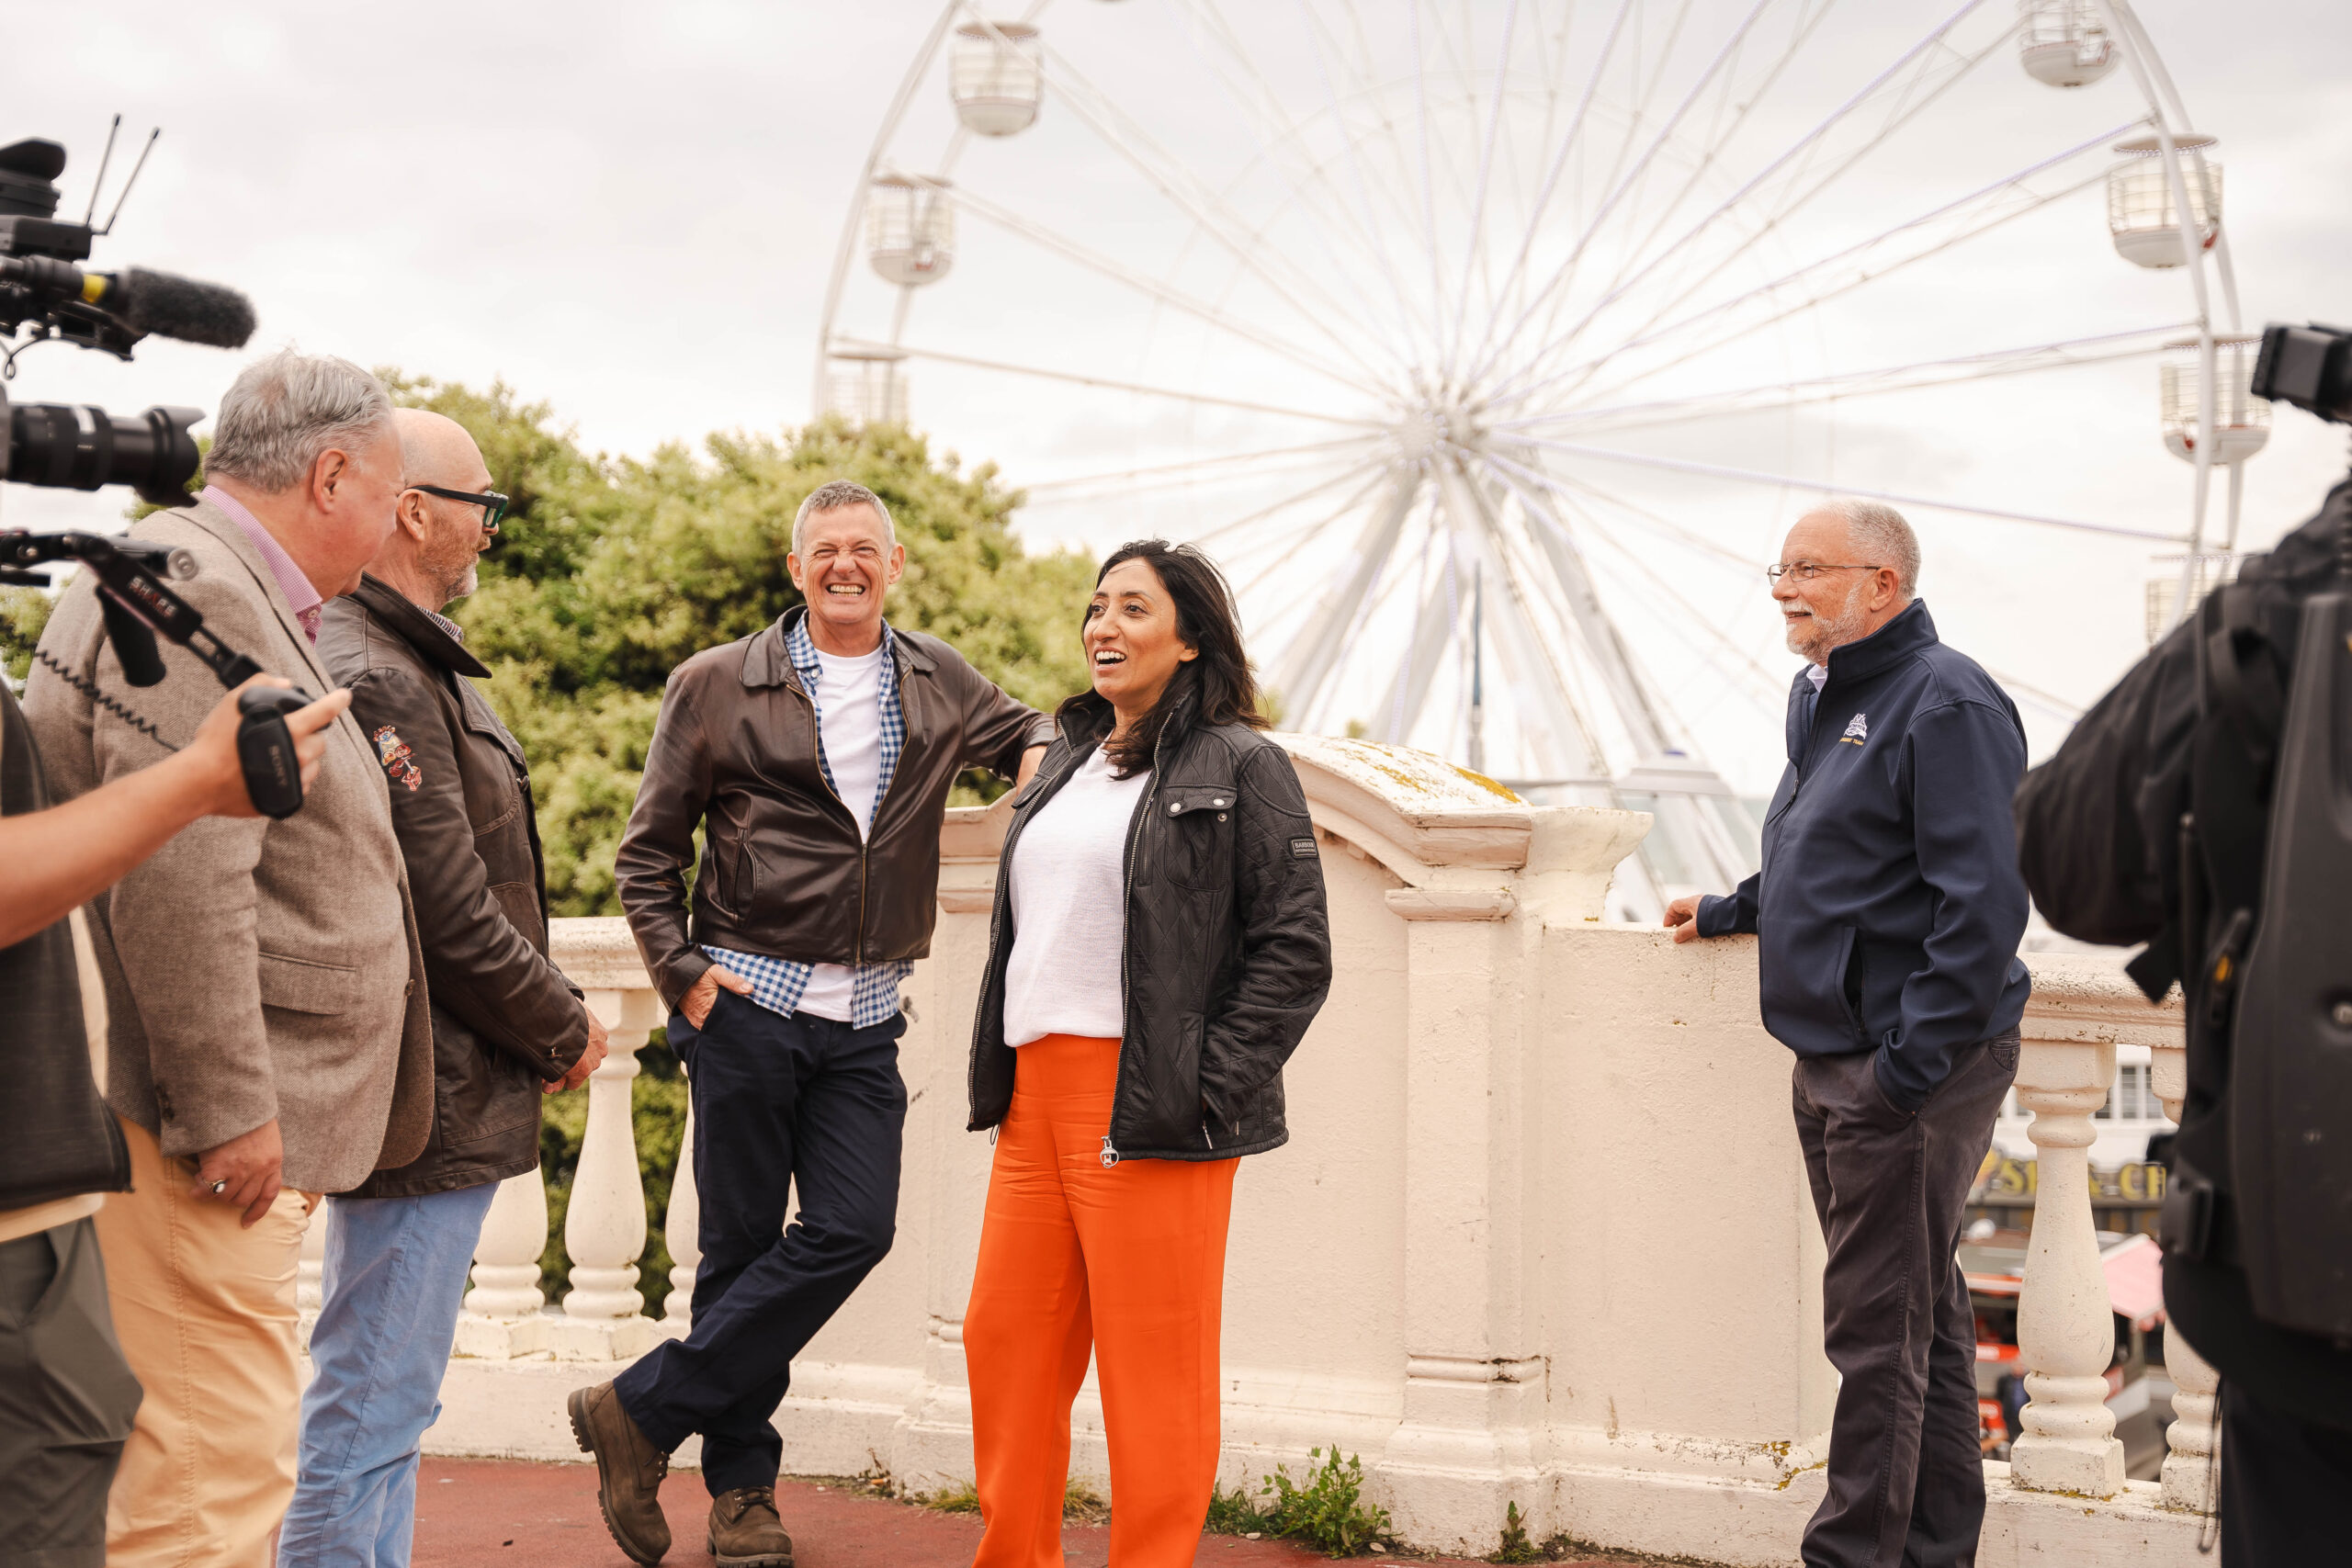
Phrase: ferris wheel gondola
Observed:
(1460, 282)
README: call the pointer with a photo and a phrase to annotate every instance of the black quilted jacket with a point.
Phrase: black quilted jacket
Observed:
(1228, 947)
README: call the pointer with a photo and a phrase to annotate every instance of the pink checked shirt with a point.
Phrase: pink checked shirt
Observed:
(300, 596)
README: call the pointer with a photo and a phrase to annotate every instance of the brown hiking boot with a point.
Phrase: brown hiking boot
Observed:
(745, 1532)
(629, 1471)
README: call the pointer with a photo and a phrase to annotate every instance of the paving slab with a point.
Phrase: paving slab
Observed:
(517, 1514)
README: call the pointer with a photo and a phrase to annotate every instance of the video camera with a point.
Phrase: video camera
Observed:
(45, 295)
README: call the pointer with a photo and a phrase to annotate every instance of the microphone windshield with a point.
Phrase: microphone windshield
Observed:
(173, 307)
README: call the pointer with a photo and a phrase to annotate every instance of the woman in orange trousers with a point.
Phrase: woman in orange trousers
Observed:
(1159, 946)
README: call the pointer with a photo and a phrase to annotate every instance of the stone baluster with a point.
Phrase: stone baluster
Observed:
(2065, 1332)
(2192, 1466)
(310, 1272)
(681, 1230)
(506, 1259)
(604, 1230)
(310, 1269)
(502, 1319)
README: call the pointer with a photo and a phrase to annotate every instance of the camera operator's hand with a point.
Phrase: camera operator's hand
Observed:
(590, 1060)
(703, 993)
(213, 753)
(245, 1170)
(53, 860)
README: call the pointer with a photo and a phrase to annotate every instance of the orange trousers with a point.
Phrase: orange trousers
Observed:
(1127, 1263)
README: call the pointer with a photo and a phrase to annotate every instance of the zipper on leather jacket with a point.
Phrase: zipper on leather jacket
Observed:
(1126, 902)
(1001, 909)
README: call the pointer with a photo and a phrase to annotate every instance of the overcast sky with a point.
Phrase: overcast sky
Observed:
(631, 211)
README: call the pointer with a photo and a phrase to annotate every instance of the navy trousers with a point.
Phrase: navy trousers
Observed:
(780, 1103)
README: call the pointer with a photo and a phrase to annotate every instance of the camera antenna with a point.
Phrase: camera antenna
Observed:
(104, 159)
(124, 195)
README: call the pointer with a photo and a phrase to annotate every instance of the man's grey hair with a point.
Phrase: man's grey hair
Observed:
(283, 411)
(832, 496)
(1880, 537)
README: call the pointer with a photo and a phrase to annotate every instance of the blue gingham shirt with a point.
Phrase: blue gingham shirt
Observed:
(778, 984)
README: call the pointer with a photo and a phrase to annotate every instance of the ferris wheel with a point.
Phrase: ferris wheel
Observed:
(1423, 316)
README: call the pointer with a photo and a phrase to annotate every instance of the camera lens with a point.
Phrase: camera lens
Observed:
(81, 447)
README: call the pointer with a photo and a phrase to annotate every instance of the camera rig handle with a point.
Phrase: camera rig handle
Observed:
(137, 606)
(135, 598)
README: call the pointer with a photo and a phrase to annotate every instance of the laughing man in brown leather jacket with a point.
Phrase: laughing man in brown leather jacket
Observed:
(506, 1025)
(817, 755)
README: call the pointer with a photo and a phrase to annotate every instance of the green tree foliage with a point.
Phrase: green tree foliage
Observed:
(611, 571)
(23, 612)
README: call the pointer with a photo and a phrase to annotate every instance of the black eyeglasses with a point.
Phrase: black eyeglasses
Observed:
(493, 504)
(1806, 571)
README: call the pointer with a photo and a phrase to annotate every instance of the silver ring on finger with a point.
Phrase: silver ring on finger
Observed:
(220, 1187)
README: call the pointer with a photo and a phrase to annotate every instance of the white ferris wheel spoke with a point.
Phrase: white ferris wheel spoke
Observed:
(1314, 651)
(1271, 127)
(1205, 205)
(1815, 282)
(1638, 258)
(1789, 481)
(1197, 467)
(1040, 372)
(1580, 601)
(1486, 170)
(1409, 328)
(2099, 349)
(1047, 238)
(1308, 535)
(1586, 491)
(1531, 667)
(1551, 176)
(1570, 502)
(1795, 161)
(1235, 525)
(1566, 269)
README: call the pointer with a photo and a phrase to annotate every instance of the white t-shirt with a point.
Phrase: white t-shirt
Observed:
(849, 698)
(1070, 909)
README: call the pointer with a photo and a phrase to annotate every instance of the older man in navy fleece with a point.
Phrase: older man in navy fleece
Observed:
(1890, 906)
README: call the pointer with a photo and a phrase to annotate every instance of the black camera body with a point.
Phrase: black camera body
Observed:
(2309, 367)
(45, 295)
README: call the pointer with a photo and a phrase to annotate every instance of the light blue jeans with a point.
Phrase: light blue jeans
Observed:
(395, 1278)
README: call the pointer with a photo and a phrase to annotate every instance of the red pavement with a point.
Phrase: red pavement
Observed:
(506, 1514)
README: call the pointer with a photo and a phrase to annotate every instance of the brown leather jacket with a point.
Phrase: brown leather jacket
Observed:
(503, 1016)
(785, 873)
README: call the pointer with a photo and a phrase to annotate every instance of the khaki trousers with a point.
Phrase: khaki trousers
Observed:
(205, 1310)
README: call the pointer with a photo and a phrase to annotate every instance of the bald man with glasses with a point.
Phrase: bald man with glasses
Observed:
(507, 1027)
(1889, 908)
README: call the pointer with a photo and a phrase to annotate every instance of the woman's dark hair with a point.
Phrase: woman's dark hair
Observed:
(1213, 687)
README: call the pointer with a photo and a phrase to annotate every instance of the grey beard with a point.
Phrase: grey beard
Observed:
(1816, 641)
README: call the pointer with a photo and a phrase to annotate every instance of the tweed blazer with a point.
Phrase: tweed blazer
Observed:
(253, 969)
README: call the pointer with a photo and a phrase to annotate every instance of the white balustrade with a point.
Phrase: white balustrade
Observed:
(310, 1272)
(2192, 1464)
(1456, 1270)
(2065, 1335)
(679, 1225)
(603, 1229)
(506, 1259)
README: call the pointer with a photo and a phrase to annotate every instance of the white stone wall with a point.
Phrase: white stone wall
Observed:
(1541, 1235)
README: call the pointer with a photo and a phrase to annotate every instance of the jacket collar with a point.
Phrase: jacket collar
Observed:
(416, 628)
(1088, 717)
(765, 662)
(215, 522)
(1899, 639)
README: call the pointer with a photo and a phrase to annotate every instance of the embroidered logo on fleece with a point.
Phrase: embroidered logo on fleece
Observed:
(398, 759)
(1858, 730)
